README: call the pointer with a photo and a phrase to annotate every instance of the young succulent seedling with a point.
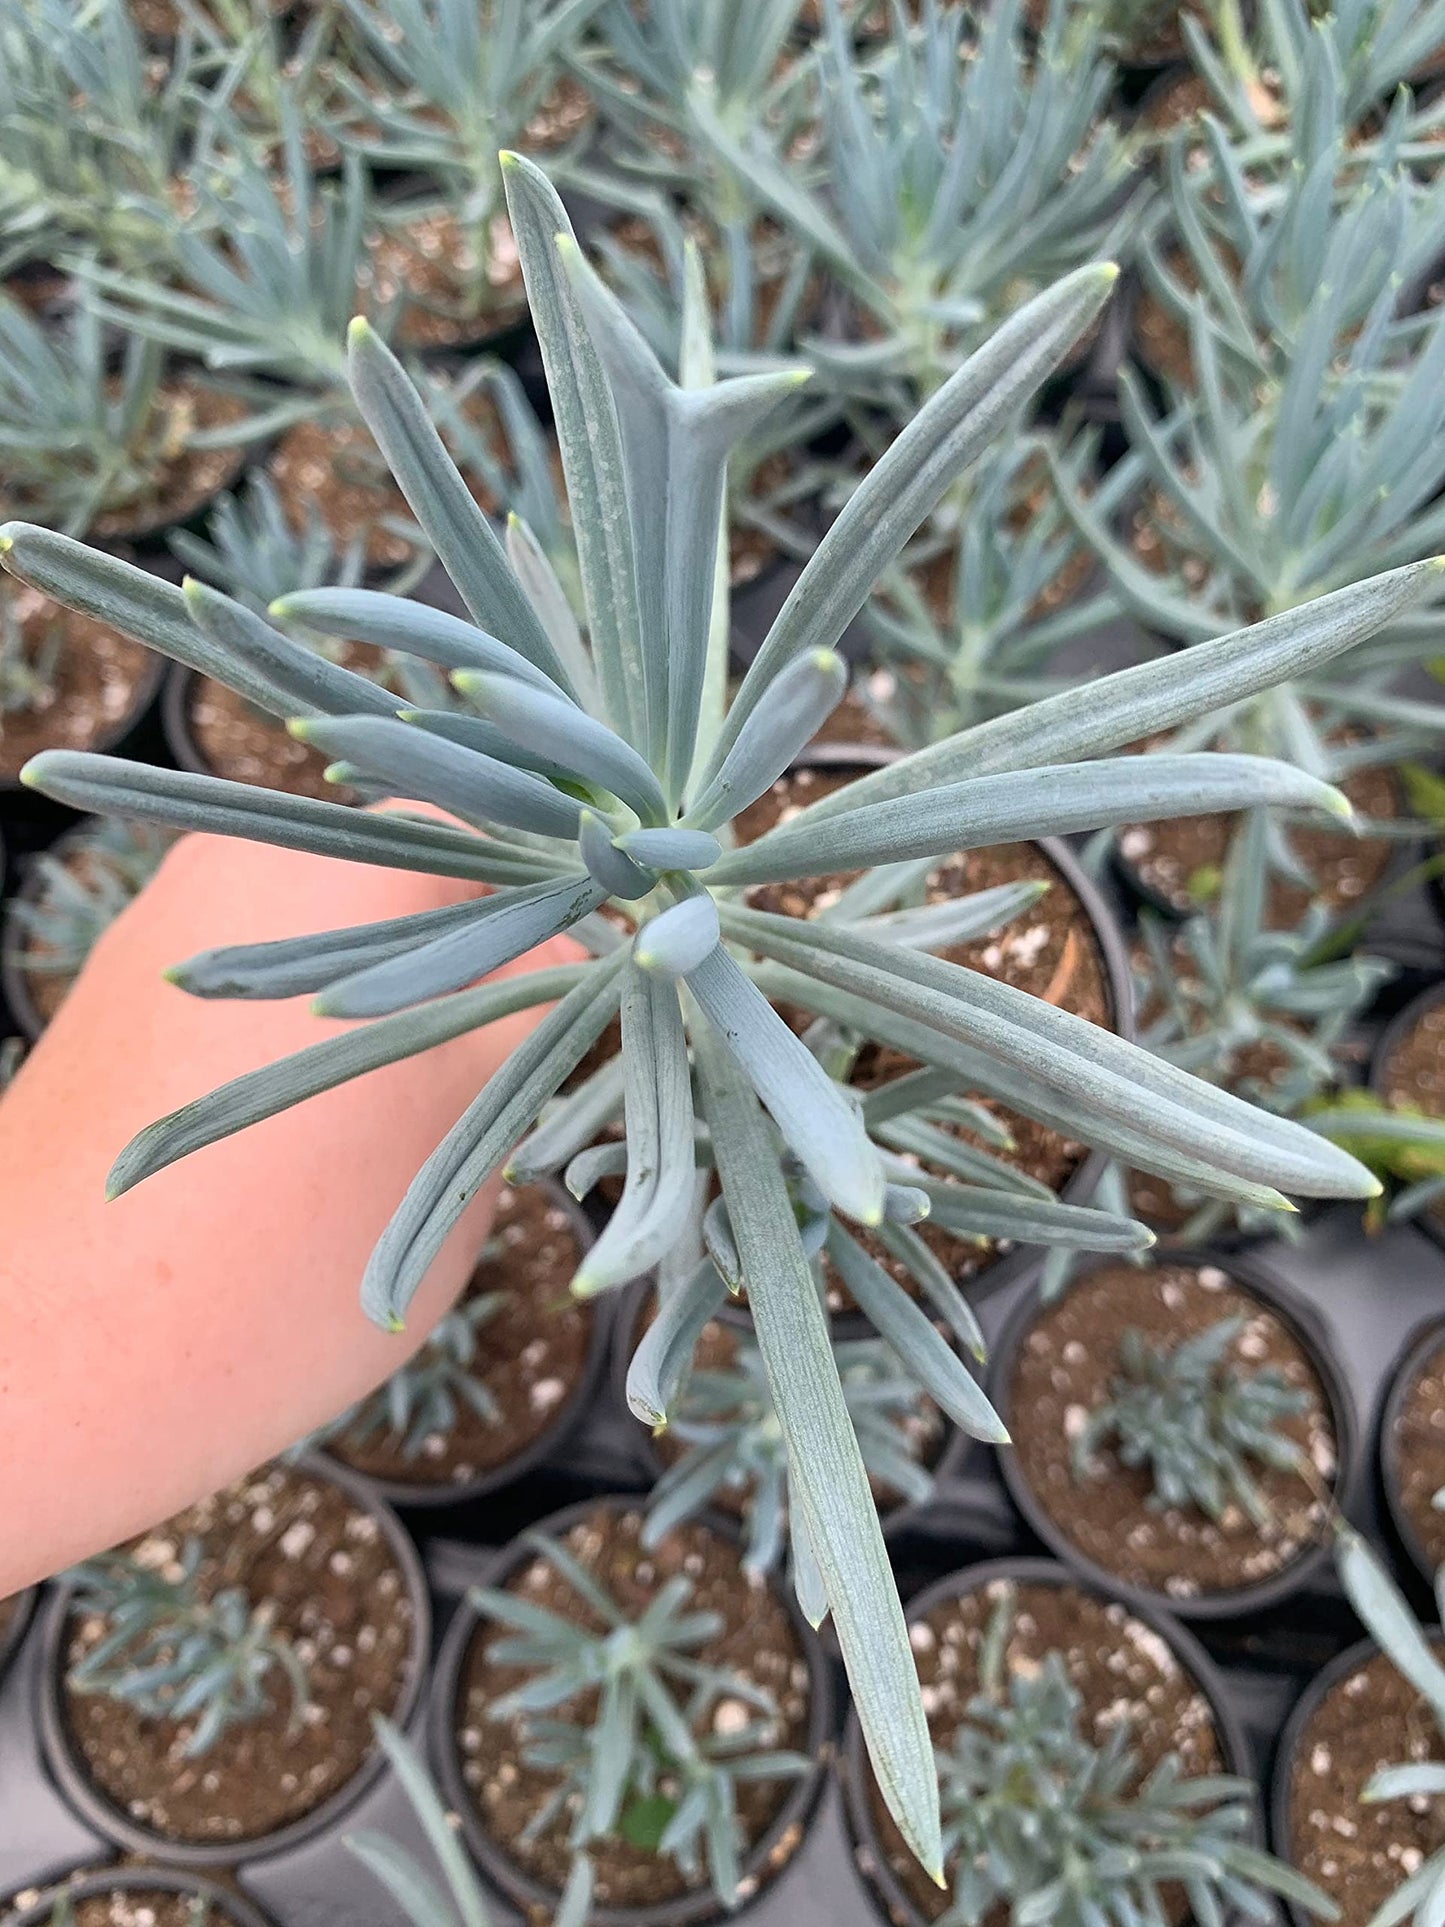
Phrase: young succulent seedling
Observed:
(77, 438)
(1388, 1619)
(651, 1763)
(252, 551)
(1198, 1422)
(424, 1398)
(992, 645)
(726, 1420)
(53, 928)
(1403, 1146)
(608, 773)
(1067, 1829)
(966, 164)
(438, 88)
(169, 1652)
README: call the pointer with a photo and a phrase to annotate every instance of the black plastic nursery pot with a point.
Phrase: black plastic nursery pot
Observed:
(15, 1615)
(127, 735)
(222, 1904)
(872, 1854)
(94, 1805)
(430, 1494)
(1420, 1351)
(1307, 1331)
(774, 1849)
(1384, 1065)
(1289, 1757)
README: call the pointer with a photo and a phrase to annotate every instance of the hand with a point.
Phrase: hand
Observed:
(154, 1348)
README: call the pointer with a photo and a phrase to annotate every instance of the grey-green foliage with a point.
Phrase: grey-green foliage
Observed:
(425, 1398)
(410, 1884)
(1390, 1622)
(76, 895)
(726, 1421)
(253, 552)
(88, 144)
(651, 1763)
(1067, 1829)
(169, 1651)
(993, 644)
(610, 771)
(953, 170)
(78, 438)
(1197, 1421)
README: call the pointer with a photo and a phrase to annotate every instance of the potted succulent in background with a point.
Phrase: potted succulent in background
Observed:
(1359, 1774)
(1412, 1449)
(206, 1694)
(1182, 1432)
(641, 1721)
(121, 1896)
(503, 1377)
(72, 894)
(1086, 1761)
(66, 680)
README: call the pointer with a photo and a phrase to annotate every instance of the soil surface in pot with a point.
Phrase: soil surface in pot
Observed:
(1049, 950)
(96, 682)
(531, 1353)
(1419, 1444)
(1119, 1666)
(236, 740)
(327, 1569)
(335, 470)
(853, 721)
(429, 264)
(1064, 1370)
(1414, 1075)
(1361, 1853)
(144, 1907)
(758, 1643)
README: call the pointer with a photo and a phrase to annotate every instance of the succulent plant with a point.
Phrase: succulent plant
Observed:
(89, 143)
(252, 551)
(1068, 1830)
(169, 1652)
(424, 1397)
(725, 1419)
(1197, 1421)
(53, 928)
(1389, 1621)
(609, 775)
(410, 1885)
(651, 1763)
(32, 643)
(77, 440)
(1404, 1147)
(969, 167)
(1012, 601)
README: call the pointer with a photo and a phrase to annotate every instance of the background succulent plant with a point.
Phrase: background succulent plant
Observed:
(579, 811)
(75, 897)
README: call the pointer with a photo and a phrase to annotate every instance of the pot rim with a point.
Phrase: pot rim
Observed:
(239, 1909)
(853, 1768)
(407, 1494)
(700, 1904)
(1423, 1342)
(14, 1636)
(117, 735)
(67, 1768)
(1301, 1319)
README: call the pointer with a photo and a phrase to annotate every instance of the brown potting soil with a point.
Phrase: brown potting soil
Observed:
(1121, 1668)
(1414, 1077)
(98, 677)
(430, 264)
(1360, 1853)
(331, 1578)
(1064, 1370)
(242, 743)
(531, 1353)
(757, 1642)
(853, 721)
(145, 1907)
(1419, 1444)
(336, 469)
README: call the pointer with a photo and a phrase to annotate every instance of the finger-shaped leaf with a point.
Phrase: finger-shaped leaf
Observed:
(472, 732)
(587, 1170)
(941, 1291)
(414, 628)
(108, 785)
(938, 926)
(827, 1481)
(555, 728)
(414, 763)
(618, 875)
(243, 636)
(802, 698)
(419, 1899)
(665, 1349)
(978, 1212)
(572, 1123)
(679, 939)
(671, 849)
(589, 443)
(542, 589)
(1151, 697)
(657, 1197)
(907, 482)
(808, 1583)
(464, 540)
(477, 1145)
(1105, 1075)
(276, 1087)
(1388, 1619)
(820, 1124)
(502, 928)
(911, 1334)
(1025, 804)
(425, 1802)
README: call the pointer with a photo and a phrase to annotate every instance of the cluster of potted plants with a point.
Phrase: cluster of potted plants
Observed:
(720, 457)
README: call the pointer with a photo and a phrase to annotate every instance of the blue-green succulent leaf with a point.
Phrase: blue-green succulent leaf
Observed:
(414, 628)
(800, 701)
